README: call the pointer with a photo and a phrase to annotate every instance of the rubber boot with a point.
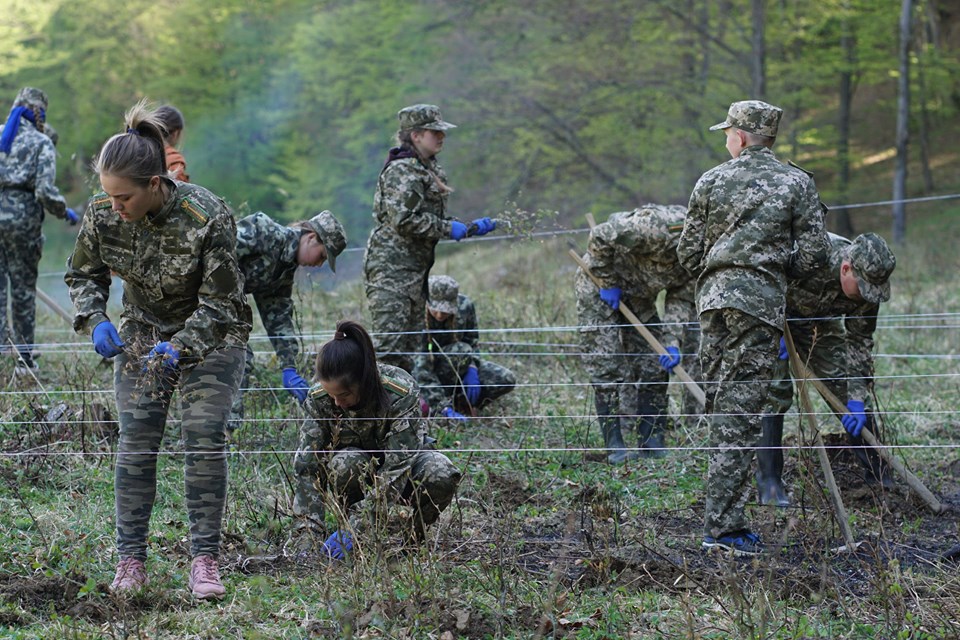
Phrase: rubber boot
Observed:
(876, 471)
(770, 463)
(610, 428)
(650, 429)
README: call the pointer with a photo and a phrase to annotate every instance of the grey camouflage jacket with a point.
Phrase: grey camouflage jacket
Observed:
(27, 179)
(752, 223)
(267, 255)
(179, 269)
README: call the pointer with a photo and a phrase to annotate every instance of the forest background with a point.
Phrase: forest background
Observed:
(561, 105)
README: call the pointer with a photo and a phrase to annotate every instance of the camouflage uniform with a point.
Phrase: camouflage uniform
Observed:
(637, 252)
(752, 223)
(182, 285)
(267, 257)
(27, 191)
(833, 333)
(450, 348)
(410, 211)
(344, 450)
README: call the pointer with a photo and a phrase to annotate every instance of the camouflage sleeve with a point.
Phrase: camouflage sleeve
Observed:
(403, 197)
(468, 324)
(809, 233)
(602, 247)
(859, 341)
(691, 247)
(219, 296)
(431, 389)
(45, 189)
(401, 444)
(679, 308)
(276, 312)
(87, 278)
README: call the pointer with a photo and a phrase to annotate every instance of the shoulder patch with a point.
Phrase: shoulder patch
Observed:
(195, 210)
(101, 201)
(394, 385)
(674, 228)
(796, 166)
(317, 392)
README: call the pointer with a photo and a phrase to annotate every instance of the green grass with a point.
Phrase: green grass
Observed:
(537, 543)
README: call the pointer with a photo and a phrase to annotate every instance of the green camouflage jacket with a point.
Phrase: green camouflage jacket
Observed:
(454, 340)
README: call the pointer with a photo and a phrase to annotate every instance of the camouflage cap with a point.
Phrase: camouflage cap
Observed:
(752, 116)
(873, 263)
(331, 234)
(31, 97)
(444, 292)
(422, 116)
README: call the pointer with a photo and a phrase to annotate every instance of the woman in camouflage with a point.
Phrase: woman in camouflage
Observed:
(184, 325)
(366, 432)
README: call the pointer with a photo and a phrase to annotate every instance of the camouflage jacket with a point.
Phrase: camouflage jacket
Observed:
(409, 209)
(267, 255)
(179, 269)
(455, 341)
(820, 297)
(399, 434)
(637, 251)
(27, 176)
(752, 223)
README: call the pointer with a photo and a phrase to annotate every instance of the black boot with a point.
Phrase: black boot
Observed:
(651, 424)
(770, 463)
(876, 471)
(610, 428)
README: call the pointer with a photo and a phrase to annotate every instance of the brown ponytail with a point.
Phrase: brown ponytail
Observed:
(138, 153)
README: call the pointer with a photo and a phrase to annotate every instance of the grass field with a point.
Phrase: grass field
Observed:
(544, 539)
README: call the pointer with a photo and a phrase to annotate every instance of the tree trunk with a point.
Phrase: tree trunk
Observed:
(903, 118)
(928, 185)
(840, 219)
(758, 49)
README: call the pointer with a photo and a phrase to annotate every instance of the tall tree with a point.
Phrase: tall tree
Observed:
(903, 121)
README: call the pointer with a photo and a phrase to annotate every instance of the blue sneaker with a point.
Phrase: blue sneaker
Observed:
(741, 543)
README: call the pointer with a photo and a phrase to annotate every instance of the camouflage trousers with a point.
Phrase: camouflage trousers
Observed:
(429, 485)
(822, 346)
(737, 353)
(396, 324)
(143, 399)
(236, 411)
(495, 381)
(20, 250)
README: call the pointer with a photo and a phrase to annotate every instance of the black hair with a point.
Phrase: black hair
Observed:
(171, 117)
(350, 359)
(136, 154)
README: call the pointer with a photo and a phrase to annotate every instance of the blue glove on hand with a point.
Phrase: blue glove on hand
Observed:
(471, 385)
(166, 351)
(783, 354)
(611, 296)
(854, 421)
(296, 385)
(670, 359)
(482, 226)
(72, 217)
(338, 545)
(106, 340)
(458, 230)
(455, 415)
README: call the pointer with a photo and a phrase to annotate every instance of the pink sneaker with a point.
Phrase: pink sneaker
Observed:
(205, 578)
(131, 576)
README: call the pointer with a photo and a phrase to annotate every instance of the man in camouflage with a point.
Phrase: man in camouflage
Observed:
(410, 210)
(355, 456)
(634, 255)
(268, 254)
(453, 379)
(833, 316)
(28, 169)
(753, 222)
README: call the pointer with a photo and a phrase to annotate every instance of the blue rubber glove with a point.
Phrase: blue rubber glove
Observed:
(783, 354)
(166, 351)
(670, 359)
(458, 230)
(471, 385)
(106, 340)
(338, 545)
(854, 421)
(611, 296)
(72, 217)
(296, 385)
(482, 226)
(455, 415)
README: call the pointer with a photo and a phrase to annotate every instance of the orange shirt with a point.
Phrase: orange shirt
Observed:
(176, 165)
